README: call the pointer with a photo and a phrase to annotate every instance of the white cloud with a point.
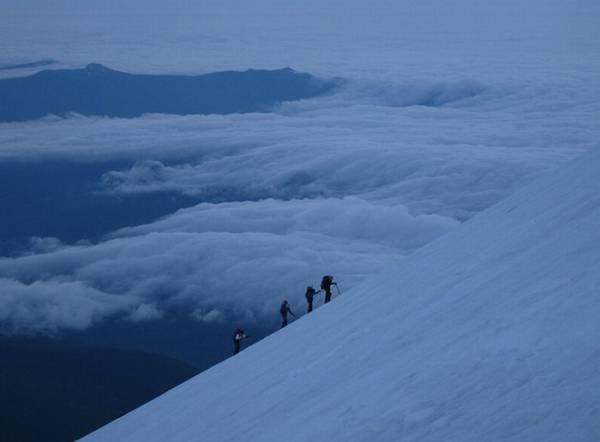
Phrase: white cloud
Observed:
(145, 312)
(51, 305)
(440, 118)
(344, 185)
(207, 274)
(209, 317)
(350, 219)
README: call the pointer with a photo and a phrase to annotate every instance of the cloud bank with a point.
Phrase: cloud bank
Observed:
(204, 275)
(440, 117)
(49, 306)
(345, 184)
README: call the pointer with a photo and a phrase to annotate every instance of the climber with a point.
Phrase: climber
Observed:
(284, 310)
(310, 294)
(238, 337)
(326, 284)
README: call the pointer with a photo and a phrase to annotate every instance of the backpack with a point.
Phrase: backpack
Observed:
(310, 292)
(326, 282)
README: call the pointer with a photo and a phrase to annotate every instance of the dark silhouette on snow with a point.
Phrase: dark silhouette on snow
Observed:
(326, 284)
(284, 310)
(310, 294)
(98, 90)
(238, 337)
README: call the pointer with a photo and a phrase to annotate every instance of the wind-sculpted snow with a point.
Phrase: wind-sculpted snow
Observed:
(488, 333)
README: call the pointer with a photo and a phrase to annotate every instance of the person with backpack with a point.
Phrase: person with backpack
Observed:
(326, 284)
(238, 337)
(284, 310)
(310, 294)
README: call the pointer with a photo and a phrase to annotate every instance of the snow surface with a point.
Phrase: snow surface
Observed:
(489, 333)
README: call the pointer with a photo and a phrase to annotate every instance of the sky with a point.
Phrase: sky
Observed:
(446, 109)
(381, 39)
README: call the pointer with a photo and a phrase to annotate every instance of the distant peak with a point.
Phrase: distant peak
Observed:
(95, 67)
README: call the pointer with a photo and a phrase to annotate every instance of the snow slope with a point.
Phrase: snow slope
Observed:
(490, 333)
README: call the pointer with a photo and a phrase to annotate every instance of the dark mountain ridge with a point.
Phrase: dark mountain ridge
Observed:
(98, 90)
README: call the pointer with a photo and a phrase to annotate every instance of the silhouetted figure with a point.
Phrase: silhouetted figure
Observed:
(238, 337)
(310, 294)
(284, 310)
(326, 284)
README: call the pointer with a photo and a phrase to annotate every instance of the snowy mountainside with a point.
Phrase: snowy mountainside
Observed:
(489, 333)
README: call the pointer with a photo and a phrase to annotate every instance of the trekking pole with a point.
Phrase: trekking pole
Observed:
(338, 289)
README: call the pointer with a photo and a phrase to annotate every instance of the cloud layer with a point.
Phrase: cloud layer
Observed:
(48, 306)
(206, 275)
(345, 184)
(440, 117)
